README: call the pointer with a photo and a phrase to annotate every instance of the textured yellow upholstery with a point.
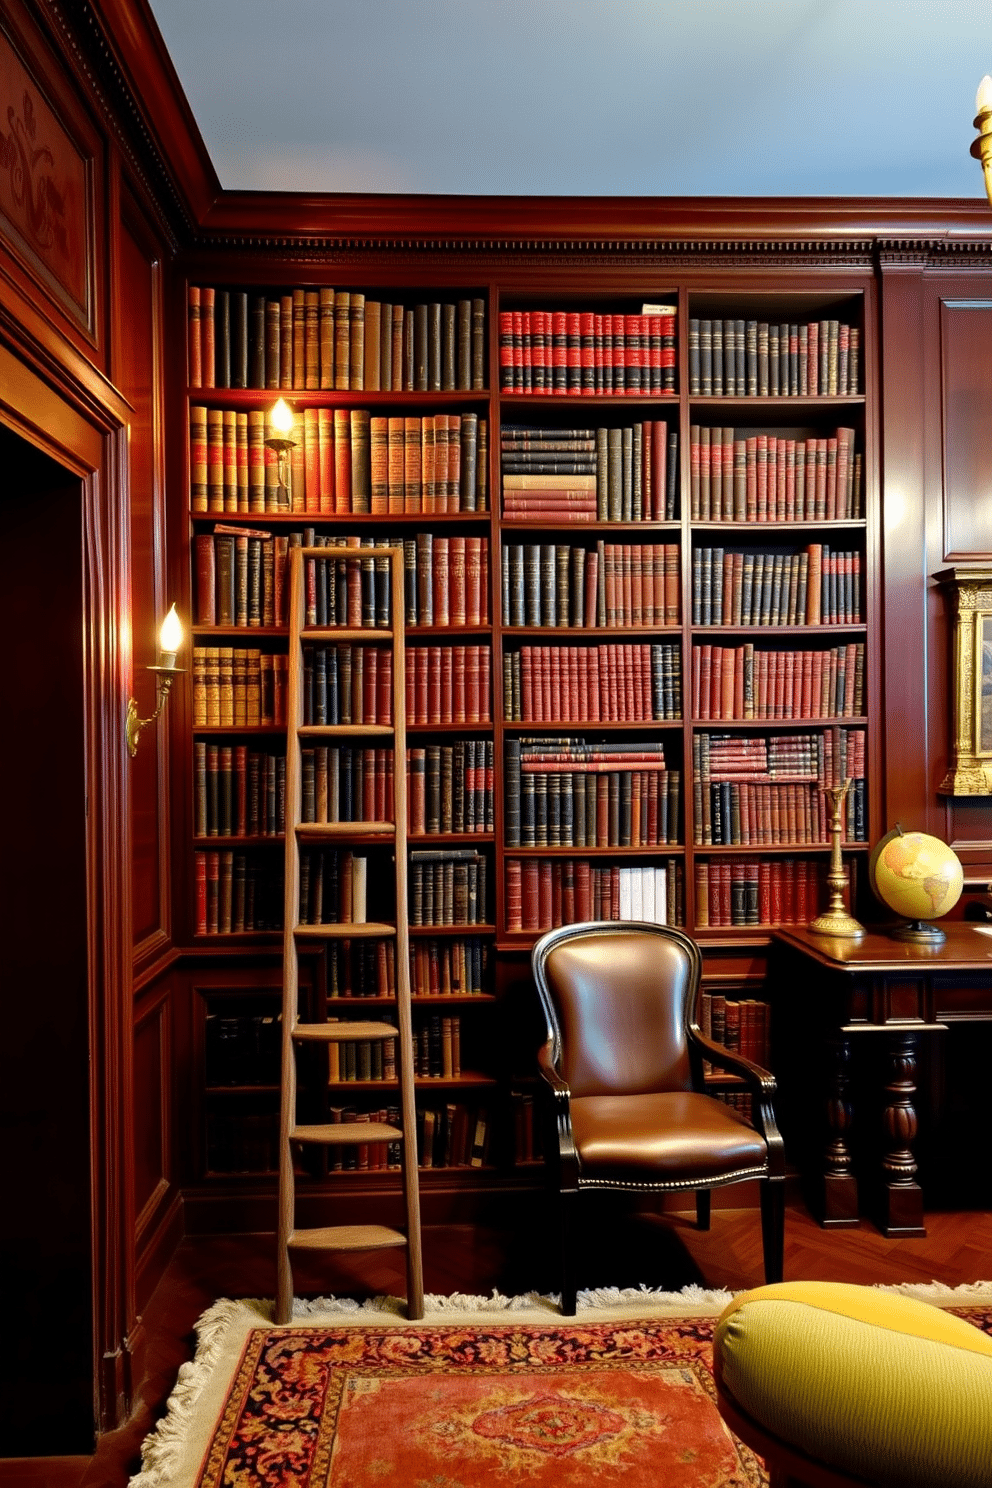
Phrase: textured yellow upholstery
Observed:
(874, 1384)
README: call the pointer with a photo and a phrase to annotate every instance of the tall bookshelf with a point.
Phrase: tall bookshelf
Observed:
(726, 801)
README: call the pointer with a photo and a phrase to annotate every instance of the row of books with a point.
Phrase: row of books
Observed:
(451, 787)
(543, 893)
(360, 968)
(342, 460)
(361, 1059)
(622, 808)
(237, 791)
(239, 685)
(625, 474)
(322, 338)
(236, 892)
(458, 966)
(742, 682)
(742, 1025)
(569, 793)
(609, 585)
(242, 578)
(347, 683)
(447, 581)
(344, 783)
(741, 892)
(242, 1048)
(448, 886)
(815, 587)
(448, 684)
(334, 888)
(772, 792)
(744, 477)
(453, 1136)
(583, 351)
(740, 358)
(774, 814)
(608, 683)
(363, 1156)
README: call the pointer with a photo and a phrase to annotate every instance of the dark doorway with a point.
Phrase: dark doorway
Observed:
(45, 1233)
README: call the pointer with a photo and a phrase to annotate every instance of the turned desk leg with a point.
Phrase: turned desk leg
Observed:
(902, 1198)
(840, 1188)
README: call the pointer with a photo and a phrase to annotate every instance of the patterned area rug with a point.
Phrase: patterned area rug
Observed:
(359, 1398)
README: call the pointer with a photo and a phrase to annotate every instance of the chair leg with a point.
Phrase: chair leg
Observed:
(703, 1197)
(567, 1203)
(773, 1228)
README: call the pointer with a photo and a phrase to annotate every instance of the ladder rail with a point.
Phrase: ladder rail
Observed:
(288, 1238)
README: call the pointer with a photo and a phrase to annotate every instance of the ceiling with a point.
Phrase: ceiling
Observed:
(586, 97)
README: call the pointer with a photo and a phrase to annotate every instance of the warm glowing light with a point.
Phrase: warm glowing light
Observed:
(170, 636)
(281, 418)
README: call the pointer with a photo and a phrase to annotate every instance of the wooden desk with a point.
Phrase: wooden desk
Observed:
(880, 989)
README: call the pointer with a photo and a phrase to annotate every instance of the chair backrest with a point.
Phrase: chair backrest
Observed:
(618, 998)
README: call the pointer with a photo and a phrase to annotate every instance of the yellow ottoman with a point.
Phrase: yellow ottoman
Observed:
(835, 1384)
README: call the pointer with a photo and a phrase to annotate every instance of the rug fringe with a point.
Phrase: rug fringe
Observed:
(160, 1450)
(941, 1295)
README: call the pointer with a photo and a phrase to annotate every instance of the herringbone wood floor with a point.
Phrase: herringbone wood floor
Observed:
(662, 1251)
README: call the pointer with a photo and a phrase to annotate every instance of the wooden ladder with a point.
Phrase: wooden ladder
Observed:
(301, 835)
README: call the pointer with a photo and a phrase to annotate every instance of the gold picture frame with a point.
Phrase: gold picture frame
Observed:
(970, 769)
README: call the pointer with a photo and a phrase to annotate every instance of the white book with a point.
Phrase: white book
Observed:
(359, 890)
(625, 894)
(661, 896)
(636, 894)
(647, 895)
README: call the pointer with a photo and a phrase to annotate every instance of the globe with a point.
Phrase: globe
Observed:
(916, 876)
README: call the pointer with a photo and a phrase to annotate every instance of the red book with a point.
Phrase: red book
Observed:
(194, 338)
(200, 864)
(457, 587)
(207, 337)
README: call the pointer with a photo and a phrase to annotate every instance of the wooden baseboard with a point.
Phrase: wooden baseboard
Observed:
(43, 1472)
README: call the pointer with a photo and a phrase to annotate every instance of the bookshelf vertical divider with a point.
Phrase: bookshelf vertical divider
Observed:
(342, 1238)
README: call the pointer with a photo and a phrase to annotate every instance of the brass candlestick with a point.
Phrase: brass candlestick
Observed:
(836, 920)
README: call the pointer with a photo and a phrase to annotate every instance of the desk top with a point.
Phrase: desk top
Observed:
(968, 947)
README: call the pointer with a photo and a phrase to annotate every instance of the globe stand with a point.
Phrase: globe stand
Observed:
(836, 920)
(919, 932)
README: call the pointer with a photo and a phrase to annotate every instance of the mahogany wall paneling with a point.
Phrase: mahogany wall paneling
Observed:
(52, 242)
(152, 1109)
(939, 384)
(138, 371)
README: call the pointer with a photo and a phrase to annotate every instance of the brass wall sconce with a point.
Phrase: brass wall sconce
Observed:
(981, 148)
(280, 439)
(169, 641)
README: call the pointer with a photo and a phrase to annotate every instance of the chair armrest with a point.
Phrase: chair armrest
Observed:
(545, 1063)
(568, 1160)
(759, 1081)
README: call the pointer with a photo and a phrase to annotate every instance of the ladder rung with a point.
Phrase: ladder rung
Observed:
(348, 1237)
(346, 829)
(345, 730)
(342, 1133)
(350, 931)
(336, 1033)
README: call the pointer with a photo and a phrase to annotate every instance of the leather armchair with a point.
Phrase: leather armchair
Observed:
(623, 1061)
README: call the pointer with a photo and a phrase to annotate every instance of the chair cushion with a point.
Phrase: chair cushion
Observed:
(675, 1136)
(881, 1386)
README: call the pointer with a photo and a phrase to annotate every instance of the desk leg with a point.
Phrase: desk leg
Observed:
(902, 1212)
(840, 1188)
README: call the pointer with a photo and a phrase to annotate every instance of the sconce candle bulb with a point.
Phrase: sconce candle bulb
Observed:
(170, 639)
(280, 439)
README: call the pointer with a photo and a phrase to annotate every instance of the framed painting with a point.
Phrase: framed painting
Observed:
(970, 769)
